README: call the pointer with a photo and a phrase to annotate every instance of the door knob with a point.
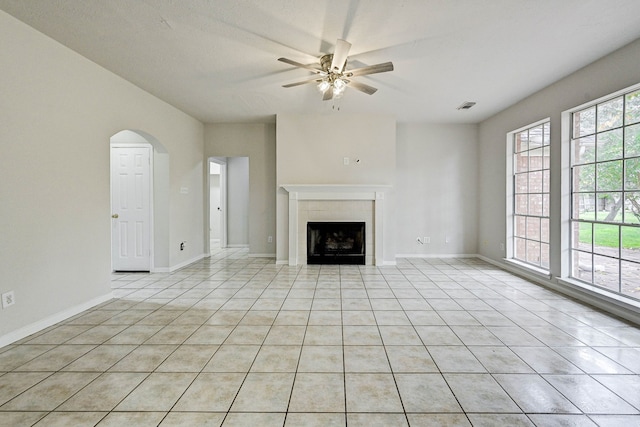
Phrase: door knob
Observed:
(115, 216)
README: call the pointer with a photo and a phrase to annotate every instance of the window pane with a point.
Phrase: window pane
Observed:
(581, 266)
(584, 122)
(544, 229)
(610, 114)
(535, 182)
(632, 108)
(521, 183)
(536, 159)
(533, 252)
(521, 162)
(546, 179)
(544, 255)
(533, 228)
(520, 226)
(522, 203)
(609, 207)
(535, 204)
(519, 248)
(609, 145)
(581, 235)
(584, 178)
(630, 279)
(584, 150)
(609, 176)
(546, 134)
(584, 206)
(606, 273)
(606, 240)
(632, 141)
(632, 174)
(632, 208)
(630, 243)
(521, 142)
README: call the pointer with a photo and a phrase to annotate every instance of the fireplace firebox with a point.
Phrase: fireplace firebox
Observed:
(336, 243)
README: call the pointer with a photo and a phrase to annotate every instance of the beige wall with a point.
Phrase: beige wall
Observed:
(59, 111)
(311, 150)
(258, 143)
(436, 189)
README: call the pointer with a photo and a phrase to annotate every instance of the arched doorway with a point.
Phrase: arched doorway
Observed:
(136, 245)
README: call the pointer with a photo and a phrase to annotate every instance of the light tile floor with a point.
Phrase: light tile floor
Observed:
(238, 341)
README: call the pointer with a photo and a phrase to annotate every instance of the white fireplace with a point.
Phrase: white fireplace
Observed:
(321, 202)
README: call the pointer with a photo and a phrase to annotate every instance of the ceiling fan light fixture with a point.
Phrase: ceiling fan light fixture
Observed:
(324, 85)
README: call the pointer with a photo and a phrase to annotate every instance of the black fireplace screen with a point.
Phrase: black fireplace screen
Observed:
(335, 243)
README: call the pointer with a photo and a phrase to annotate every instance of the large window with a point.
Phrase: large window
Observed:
(605, 194)
(530, 216)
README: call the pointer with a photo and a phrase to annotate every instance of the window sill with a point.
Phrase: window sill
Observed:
(542, 273)
(610, 297)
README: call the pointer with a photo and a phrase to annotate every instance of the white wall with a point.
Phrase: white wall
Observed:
(311, 148)
(611, 73)
(59, 111)
(436, 189)
(257, 141)
(238, 202)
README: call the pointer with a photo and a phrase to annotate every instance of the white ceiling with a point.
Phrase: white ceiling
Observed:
(217, 59)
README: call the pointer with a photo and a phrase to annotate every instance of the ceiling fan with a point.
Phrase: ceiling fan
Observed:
(332, 77)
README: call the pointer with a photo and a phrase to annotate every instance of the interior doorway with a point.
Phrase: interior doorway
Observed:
(131, 207)
(228, 206)
(139, 177)
(217, 203)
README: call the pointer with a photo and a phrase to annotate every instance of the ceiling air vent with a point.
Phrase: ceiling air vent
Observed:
(466, 105)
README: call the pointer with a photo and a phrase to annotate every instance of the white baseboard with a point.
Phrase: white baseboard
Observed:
(389, 263)
(25, 331)
(427, 256)
(186, 263)
(282, 262)
(273, 255)
(237, 246)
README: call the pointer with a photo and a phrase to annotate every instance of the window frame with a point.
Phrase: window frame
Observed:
(567, 202)
(511, 199)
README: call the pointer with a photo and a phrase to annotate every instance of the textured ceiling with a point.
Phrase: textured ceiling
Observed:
(217, 60)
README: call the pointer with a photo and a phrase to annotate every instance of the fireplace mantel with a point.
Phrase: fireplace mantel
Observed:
(345, 192)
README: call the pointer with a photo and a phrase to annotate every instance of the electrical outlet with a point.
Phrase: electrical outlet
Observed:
(426, 239)
(502, 246)
(270, 239)
(8, 299)
(447, 239)
(182, 246)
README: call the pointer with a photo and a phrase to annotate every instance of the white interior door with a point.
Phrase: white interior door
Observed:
(130, 208)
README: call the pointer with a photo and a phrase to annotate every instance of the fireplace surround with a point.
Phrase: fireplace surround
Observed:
(335, 202)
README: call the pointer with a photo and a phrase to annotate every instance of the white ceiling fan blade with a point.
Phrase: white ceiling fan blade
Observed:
(371, 69)
(314, 80)
(340, 55)
(369, 90)
(315, 69)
